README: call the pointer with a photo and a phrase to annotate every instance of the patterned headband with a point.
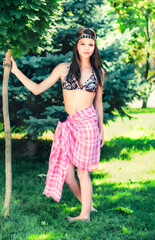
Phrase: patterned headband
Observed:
(86, 36)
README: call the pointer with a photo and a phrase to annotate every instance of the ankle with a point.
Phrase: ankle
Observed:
(84, 216)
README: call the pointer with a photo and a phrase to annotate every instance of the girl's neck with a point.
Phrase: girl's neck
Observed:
(85, 63)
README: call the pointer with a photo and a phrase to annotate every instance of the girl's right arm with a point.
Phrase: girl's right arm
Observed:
(36, 88)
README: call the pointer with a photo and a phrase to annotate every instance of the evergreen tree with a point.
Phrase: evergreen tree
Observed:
(40, 113)
(94, 14)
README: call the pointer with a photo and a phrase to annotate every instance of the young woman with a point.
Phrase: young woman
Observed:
(79, 134)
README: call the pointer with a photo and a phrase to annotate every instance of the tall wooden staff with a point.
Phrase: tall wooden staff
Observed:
(7, 130)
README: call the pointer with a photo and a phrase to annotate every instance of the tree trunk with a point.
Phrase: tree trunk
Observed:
(8, 165)
(147, 69)
(31, 147)
(144, 103)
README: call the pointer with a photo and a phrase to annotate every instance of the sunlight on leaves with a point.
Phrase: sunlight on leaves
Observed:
(123, 210)
(41, 175)
(71, 209)
(125, 230)
(44, 223)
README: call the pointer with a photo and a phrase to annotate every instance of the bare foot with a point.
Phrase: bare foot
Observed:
(92, 209)
(72, 219)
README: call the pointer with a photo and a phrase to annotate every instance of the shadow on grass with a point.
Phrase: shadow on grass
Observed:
(21, 148)
(121, 148)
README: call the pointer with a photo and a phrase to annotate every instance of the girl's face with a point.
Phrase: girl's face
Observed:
(85, 47)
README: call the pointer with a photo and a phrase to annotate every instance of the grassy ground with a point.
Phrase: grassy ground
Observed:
(123, 193)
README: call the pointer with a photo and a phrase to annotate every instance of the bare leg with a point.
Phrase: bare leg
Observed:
(72, 182)
(74, 185)
(86, 196)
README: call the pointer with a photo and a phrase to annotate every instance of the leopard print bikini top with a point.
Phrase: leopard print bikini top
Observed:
(90, 84)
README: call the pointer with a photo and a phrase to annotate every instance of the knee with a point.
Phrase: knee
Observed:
(69, 179)
(82, 174)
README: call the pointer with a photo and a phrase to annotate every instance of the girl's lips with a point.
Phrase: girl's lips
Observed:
(86, 52)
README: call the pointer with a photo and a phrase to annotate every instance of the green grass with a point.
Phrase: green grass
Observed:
(123, 190)
(139, 110)
(141, 125)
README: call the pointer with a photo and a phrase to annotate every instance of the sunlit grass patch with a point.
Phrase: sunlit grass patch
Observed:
(45, 236)
(47, 135)
(117, 170)
(141, 125)
(139, 110)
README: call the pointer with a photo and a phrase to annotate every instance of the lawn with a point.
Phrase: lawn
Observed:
(123, 190)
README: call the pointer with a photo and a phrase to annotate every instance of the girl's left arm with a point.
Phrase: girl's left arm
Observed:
(99, 108)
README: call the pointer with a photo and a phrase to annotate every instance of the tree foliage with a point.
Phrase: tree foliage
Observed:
(24, 24)
(139, 15)
(36, 114)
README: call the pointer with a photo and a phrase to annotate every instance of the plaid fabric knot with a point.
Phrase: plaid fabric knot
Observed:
(63, 117)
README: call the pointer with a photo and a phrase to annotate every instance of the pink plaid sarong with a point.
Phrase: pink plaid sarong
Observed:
(76, 140)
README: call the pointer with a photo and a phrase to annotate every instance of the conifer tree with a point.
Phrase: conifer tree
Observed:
(123, 86)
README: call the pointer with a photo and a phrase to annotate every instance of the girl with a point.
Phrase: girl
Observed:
(79, 133)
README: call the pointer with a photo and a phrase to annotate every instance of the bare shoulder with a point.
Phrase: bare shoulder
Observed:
(103, 71)
(64, 68)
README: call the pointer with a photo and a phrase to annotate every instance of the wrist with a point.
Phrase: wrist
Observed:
(16, 71)
(101, 130)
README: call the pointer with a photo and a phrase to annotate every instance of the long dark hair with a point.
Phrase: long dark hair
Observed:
(95, 58)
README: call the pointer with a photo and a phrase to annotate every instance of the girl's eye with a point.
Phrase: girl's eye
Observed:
(89, 44)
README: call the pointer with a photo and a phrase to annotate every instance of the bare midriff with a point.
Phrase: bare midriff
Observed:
(76, 100)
